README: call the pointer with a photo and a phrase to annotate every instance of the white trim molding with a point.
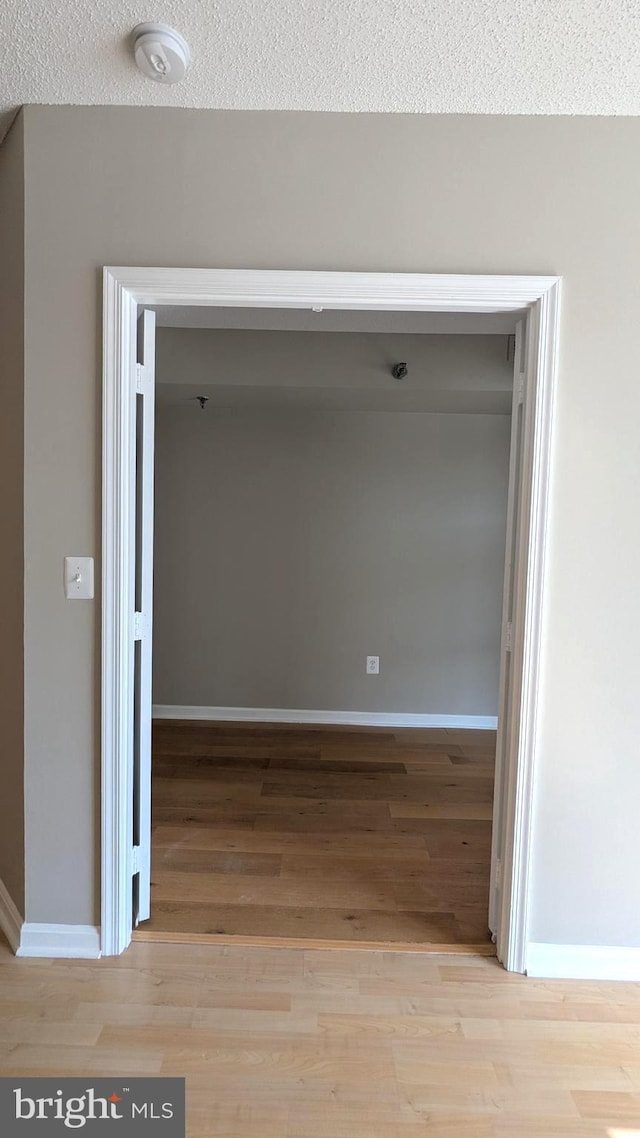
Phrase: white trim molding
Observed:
(10, 920)
(582, 962)
(79, 942)
(118, 603)
(339, 718)
(364, 292)
(537, 298)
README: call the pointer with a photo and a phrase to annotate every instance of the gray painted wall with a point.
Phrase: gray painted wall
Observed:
(292, 544)
(12, 513)
(110, 185)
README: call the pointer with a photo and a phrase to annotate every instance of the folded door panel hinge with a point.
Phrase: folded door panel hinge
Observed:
(144, 378)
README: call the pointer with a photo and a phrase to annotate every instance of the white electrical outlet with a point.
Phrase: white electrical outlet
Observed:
(373, 665)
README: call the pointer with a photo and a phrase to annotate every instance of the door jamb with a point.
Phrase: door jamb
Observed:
(126, 288)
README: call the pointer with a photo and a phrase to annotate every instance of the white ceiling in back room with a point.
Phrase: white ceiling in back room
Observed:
(459, 56)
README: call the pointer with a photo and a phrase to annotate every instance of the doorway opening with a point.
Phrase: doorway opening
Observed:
(321, 493)
(297, 754)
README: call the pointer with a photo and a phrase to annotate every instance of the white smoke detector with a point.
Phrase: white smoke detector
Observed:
(161, 53)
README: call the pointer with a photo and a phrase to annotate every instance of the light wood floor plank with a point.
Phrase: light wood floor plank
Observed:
(286, 1043)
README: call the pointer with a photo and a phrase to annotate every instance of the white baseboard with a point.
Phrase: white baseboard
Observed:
(73, 941)
(582, 962)
(10, 920)
(29, 939)
(339, 718)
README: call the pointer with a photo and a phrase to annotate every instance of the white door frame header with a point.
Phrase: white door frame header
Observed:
(124, 289)
(386, 292)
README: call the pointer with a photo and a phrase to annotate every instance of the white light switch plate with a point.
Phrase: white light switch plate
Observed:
(78, 578)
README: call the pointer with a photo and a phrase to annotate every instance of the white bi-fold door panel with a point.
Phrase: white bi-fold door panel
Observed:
(143, 624)
(509, 693)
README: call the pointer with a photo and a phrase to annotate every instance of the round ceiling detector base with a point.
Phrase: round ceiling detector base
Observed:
(161, 53)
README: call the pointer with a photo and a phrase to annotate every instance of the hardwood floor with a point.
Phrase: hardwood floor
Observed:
(283, 1043)
(337, 835)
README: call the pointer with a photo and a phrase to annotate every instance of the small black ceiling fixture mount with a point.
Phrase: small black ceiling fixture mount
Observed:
(400, 371)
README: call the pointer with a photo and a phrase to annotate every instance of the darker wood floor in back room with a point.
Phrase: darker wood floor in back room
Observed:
(352, 835)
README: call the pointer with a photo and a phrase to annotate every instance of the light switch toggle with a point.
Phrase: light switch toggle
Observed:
(78, 578)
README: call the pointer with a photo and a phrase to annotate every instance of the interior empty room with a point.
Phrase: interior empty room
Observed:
(330, 515)
(320, 555)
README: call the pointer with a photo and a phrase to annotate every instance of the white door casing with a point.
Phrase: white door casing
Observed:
(127, 288)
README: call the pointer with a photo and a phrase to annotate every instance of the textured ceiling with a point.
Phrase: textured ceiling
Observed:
(470, 56)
